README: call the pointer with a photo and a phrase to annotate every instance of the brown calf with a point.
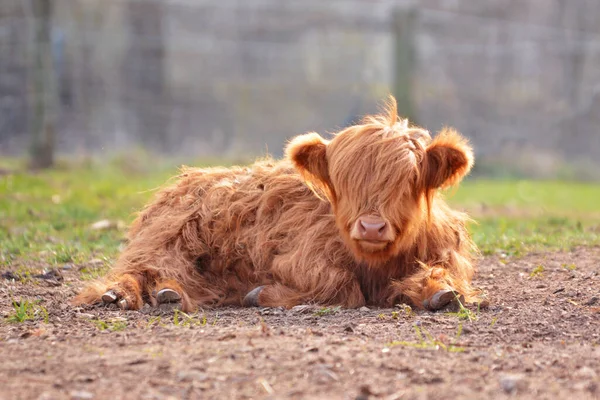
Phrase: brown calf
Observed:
(351, 221)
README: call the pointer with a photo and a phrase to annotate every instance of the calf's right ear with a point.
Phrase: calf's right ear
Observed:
(448, 158)
(308, 154)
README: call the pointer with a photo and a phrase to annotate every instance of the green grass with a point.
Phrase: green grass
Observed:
(537, 272)
(326, 311)
(426, 341)
(189, 320)
(25, 310)
(111, 325)
(45, 217)
(549, 197)
(514, 218)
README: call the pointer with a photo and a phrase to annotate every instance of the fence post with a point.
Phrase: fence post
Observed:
(144, 72)
(43, 100)
(404, 25)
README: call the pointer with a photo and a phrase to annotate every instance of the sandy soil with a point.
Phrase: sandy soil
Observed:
(539, 338)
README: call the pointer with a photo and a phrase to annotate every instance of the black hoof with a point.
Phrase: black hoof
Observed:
(109, 297)
(442, 299)
(251, 299)
(167, 296)
(123, 304)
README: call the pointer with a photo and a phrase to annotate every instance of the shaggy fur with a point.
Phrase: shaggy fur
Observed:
(217, 233)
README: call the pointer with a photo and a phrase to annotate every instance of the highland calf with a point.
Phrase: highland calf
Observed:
(356, 220)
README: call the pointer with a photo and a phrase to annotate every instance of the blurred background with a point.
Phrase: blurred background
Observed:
(234, 79)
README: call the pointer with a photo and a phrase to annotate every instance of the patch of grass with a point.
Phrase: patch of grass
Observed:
(558, 198)
(517, 217)
(464, 313)
(426, 341)
(95, 270)
(25, 310)
(45, 217)
(186, 320)
(569, 267)
(512, 236)
(63, 254)
(114, 325)
(155, 321)
(404, 309)
(537, 272)
(327, 311)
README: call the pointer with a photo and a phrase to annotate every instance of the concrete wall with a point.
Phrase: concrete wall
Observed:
(234, 77)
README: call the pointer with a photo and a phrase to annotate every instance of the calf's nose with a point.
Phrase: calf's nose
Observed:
(372, 228)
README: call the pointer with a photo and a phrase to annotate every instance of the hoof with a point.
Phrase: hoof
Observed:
(167, 296)
(251, 299)
(123, 304)
(443, 299)
(109, 297)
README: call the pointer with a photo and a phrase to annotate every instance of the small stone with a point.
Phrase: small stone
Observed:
(365, 392)
(591, 301)
(106, 224)
(168, 308)
(146, 309)
(586, 372)
(302, 309)
(10, 276)
(364, 309)
(511, 383)
(192, 375)
(466, 330)
(52, 275)
(81, 395)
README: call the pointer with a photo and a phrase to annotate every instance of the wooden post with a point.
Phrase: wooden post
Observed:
(43, 100)
(404, 25)
(144, 73)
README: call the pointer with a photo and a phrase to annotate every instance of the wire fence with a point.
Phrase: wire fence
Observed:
(238, 78)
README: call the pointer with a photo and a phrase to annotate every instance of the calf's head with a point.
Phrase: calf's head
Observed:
(379, 177)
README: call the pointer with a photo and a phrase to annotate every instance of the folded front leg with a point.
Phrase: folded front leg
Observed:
(344, 292)
(435, 287)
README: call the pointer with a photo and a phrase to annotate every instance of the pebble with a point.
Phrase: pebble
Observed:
(511, 383)
(586, 372)
(591, 301)
(81, 395)
(192, 375)
(364, 309)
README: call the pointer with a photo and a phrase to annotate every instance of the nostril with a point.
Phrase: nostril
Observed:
(381, 228)
(363, 226)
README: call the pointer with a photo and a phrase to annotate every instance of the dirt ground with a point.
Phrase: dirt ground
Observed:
(539, 338)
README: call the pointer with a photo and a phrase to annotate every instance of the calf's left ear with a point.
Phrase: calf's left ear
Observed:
(448, 158)
(308, 154)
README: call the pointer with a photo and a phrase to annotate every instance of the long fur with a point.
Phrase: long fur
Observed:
(215, 234)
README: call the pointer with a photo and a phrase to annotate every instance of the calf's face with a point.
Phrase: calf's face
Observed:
(379, 177)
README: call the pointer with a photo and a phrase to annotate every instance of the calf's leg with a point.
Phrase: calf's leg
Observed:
(438, 286)
(344, 292)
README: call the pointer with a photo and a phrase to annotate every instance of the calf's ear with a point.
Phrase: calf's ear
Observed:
(448, 158)
(308, 154)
